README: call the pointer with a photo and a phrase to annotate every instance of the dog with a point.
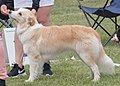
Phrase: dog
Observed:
(44, 42)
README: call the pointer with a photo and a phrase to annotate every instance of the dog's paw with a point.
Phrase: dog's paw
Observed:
(96, 79)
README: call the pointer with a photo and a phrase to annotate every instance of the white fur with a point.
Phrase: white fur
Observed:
(42, 42)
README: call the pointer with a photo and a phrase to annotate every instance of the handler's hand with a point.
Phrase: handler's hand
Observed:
(4, 9)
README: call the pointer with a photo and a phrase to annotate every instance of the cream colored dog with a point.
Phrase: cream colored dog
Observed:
(41, 42)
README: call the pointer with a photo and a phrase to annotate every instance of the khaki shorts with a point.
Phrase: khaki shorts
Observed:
(28, 3)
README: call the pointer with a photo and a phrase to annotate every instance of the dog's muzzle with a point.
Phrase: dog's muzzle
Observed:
(11, 15)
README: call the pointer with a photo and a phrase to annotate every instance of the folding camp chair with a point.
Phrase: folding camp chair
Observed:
(111, 11)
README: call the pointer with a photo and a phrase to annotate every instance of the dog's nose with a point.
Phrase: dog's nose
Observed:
(10, 12)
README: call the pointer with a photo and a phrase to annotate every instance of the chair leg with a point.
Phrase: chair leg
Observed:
(3, 22)
(115, 22)
(1, 26)
(116, 26)
(87, 19)
(9, 22)
(95, 21)
(109, 39)
(99, 24)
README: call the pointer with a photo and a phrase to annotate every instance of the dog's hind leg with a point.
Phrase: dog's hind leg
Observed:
(36, 67)
(87, 59)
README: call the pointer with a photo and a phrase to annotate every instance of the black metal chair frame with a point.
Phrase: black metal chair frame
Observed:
(5, 21)
(96, 23)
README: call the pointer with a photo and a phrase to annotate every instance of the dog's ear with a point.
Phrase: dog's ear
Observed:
(31, 21)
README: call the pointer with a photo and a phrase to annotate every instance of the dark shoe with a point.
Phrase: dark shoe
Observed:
(47, 70)
(24, 55)
(2, 82)
(16, 70)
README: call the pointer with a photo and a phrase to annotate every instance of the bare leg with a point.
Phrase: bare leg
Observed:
(115, 38)
(18, 51)
(2, 62)
(18, 68)
(43, 14)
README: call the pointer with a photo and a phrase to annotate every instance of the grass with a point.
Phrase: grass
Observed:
(73, 73)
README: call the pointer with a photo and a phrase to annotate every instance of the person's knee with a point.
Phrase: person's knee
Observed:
(43, 20)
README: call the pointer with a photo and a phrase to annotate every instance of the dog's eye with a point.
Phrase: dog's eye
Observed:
(20, 14)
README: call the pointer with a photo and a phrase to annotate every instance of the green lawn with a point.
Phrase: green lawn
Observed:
(74, 73)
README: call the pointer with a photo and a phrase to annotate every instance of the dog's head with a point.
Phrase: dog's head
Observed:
(23, 16)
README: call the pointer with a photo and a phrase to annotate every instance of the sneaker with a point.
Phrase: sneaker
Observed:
(47, 70)
(16, 70)
(115, 38)
(2, 82)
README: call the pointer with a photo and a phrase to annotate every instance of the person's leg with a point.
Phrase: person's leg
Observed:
(116, 37)
(18, 51)
(18, 67)
(43, 15)
(2, 65)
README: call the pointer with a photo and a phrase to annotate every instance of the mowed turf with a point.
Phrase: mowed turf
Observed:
(69, 72)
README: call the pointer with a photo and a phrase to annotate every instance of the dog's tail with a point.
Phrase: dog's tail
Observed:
(105, 63)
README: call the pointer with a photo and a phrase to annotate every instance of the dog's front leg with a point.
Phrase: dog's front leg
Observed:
(36, 68)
